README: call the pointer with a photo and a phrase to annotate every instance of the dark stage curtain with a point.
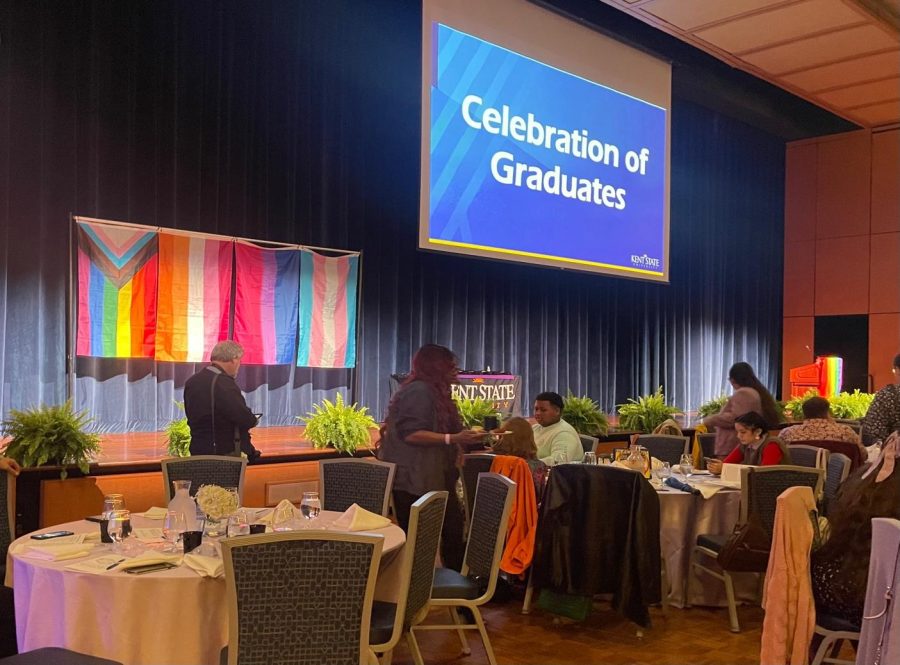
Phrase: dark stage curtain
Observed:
(299, 122)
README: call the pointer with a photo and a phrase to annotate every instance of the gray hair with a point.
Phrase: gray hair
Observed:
(226, 351)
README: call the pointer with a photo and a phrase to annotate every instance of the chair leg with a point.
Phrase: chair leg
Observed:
(460, 631)
(690, 574)
(386, 657)
(529, 591)
(822, 650)
(488, 649)
(413, 645)
(732, 606)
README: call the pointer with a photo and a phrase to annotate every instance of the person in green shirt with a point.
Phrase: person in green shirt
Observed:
(557, 441)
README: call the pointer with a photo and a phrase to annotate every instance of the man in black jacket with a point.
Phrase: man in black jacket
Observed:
(216, 411)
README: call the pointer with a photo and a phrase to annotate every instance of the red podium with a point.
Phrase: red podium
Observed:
(825, 375)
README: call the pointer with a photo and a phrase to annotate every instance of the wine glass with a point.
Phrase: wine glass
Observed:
(665, 471)
(687, 464)
(238, 524)
(174, 525)
(116, 527)
(310, 505)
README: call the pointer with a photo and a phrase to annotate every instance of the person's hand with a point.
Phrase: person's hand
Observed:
(467, 436)
(714, 466)
(10, 466)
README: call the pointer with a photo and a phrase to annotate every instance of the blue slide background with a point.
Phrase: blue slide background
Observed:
(468, 205)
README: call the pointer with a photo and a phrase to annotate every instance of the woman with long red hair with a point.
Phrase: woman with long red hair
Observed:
(424, 436)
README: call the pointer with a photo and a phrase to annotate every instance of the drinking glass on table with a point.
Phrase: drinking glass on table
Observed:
(589, 458)
(174, 525)
(665, 471)
(116, 527)
(310, 505)
(113, 502)
(238, 524)
(687, 464)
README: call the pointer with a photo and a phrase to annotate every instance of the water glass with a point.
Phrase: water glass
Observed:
(116, 527)
(687, 464)
(310, 505)
(174, 525)
(238, 524)
(589, 458)
(665, 471)
(113, 502)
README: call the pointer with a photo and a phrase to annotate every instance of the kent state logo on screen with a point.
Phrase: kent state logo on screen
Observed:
(645, 261)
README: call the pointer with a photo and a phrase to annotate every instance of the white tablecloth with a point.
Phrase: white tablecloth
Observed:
(682, 517)
(174, 617)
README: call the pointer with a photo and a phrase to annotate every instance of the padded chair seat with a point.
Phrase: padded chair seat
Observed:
(450, 584)
(56, 656)
(381, 626)
(835, 624)
(713, 541)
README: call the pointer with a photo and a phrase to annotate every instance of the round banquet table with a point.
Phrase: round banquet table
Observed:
(682, 517)
(174, 616)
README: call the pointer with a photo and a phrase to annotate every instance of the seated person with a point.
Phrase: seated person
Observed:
(519, 442)
(756, 446)
(557, 441)
(818, 425)
(840, 568)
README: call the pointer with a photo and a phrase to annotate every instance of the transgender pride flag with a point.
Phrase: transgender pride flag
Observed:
(117, 271)
(265, 303)
(327, 310)
(194, 296)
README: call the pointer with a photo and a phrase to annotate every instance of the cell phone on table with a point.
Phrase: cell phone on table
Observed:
(51, 534)
(149, 568)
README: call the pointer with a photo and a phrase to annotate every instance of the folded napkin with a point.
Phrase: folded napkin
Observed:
(101, 565)
(356, 518)
(155, 513)
(678, 485)
(205, 566)
(148, 557)
(707, 490)
(58, 552)
(284, 506)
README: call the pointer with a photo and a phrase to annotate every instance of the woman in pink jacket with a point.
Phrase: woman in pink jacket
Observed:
(749, 395)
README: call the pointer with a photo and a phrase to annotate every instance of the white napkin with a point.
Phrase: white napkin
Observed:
(99, 566)
(707, 490)
(155, 513)
(148, 557)
(360, 519)
(283, 506)
(58, 552)
(150, 535)
(205, 566)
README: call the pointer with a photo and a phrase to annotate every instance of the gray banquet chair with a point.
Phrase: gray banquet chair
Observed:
(474, 464)
(812, 457)
(665, 447)
(301, 597)
(390, 621)
(588, 443)
(474, 585)
(367, 483)
(221, 470)
(835, 474)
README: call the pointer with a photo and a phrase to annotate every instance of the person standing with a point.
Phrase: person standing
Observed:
(749, 395)
(216, 411)
(883, 416)
(557, 441)
(424, 436)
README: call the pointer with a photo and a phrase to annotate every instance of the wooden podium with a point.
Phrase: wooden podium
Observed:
(824, 375)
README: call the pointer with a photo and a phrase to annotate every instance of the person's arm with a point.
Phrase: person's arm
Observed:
(560, 445)
(10, 465)
(424, 437)
(771, 454)
(725, 417)
(736, 456)
(230, 403)
(878, 418)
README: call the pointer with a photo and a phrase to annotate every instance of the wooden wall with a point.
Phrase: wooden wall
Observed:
(842, 243)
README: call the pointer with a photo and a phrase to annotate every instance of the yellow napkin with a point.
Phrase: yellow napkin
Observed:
(155, 513)
(58, 552)
(149, 557)
(360, 519)
(205, 566)
(284, 506)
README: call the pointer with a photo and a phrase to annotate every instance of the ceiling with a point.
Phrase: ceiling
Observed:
(843, 55)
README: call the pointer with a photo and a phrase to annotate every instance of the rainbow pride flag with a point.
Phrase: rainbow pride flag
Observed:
(328, 300)
(266, 303)
(194, 296)
(117, 275)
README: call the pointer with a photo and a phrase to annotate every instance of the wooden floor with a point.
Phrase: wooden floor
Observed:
(696, 636)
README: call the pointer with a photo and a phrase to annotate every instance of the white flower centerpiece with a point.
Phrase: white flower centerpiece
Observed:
(218, 503)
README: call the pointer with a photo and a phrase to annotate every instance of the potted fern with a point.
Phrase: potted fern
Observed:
(711, 407)
(178, 436)
(645, 413)
(344, 427)
(50, 435)
(584, 415)
(473, 411)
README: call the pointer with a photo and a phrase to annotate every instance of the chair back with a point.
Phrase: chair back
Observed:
(707, 444)
(835, 474)
(487, 533)
(474, 464)
(588, 443)
(311, 590)
(881, 617)
(812, 457)
(762, 485)
(367, 483)
(848, 448)
(6, 516)
(426, 518)
(665, 447)
(221, 470)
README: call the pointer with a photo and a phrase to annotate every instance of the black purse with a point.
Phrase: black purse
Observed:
(747, 548)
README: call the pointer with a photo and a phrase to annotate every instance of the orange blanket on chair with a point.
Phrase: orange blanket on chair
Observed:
(522, 530)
